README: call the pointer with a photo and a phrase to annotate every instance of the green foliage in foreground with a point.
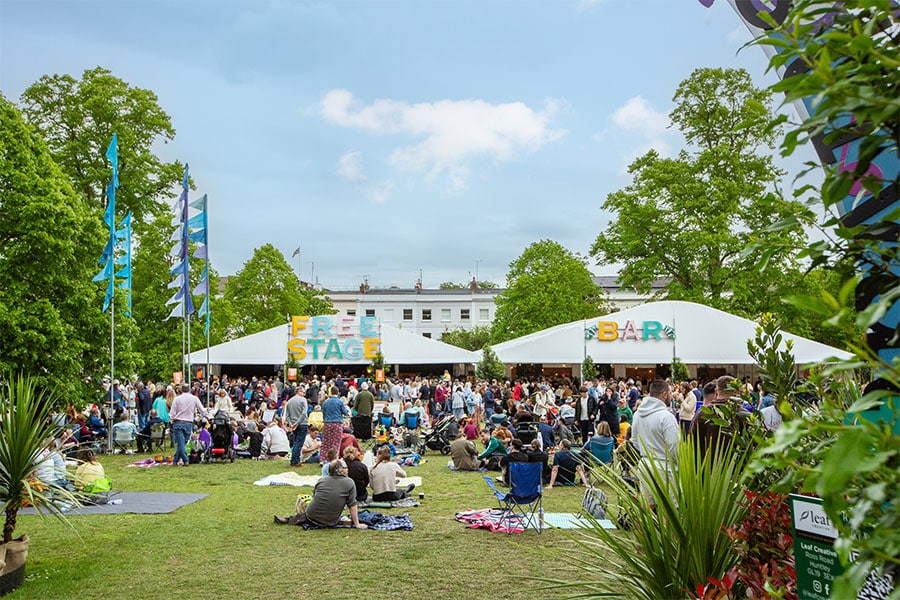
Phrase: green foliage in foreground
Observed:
(228, 542)
(670, 549)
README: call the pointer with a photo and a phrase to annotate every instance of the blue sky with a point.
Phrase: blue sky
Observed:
(385, 137)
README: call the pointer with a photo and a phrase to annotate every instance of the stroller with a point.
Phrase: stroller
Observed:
(438, 438)
(221, 447)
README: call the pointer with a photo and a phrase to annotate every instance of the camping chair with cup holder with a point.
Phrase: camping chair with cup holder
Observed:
(524, 500)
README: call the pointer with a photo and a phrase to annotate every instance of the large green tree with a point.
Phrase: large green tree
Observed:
(692, 218)
(546, 285)
(265, 291)
(51, 326)
(77, 118)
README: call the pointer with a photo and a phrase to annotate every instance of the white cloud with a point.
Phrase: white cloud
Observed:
(350, 167)
(379, 193)
(637, 115)
(452, 132)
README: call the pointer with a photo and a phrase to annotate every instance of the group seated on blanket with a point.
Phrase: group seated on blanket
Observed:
(330, 495)
(90, 478)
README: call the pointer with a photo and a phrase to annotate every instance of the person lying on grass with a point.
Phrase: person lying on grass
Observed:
(330, 495)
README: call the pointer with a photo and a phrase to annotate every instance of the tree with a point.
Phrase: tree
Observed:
(588, 369)
(470, 339)
(266, 290)
(77, 119)
(51, 326)
(693, 218)
(489, 367)
(547, 285)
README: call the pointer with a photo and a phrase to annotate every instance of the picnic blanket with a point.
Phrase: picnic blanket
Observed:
(374, 520)
(492, 519)
(293, 479)
(132, 502)
(573, 521)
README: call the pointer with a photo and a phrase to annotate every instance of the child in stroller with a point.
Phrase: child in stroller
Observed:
(438, 438)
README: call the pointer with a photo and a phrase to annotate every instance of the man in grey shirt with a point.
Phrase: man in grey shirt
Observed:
(295, 417)
(330, 496)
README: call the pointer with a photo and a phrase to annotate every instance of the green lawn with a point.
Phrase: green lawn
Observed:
(226, 546)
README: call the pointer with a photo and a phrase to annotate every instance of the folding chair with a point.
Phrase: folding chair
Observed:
(157, 439)
(600, 453)
(525, 497)
(123, 439)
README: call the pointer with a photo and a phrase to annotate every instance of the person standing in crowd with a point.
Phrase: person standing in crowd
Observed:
(711, 436)
(585, 411)
(686, 410)
(296, 419)
(333, 411)
(184, 408)
(144, 402)
(654, 429)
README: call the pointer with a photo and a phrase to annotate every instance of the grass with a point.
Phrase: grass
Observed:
(227, 544)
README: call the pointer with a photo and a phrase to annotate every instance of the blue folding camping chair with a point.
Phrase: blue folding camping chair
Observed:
(524, 500)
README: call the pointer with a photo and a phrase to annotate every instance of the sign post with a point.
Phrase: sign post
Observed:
(815, 560)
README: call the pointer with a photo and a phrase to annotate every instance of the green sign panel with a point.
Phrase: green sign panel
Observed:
(815, 560)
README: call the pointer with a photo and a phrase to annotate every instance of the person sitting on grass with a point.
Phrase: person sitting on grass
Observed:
(330, 495)
(311, 445)
(275, 439)
(358, 472)
(537, 454)
(90, 476)
(502, 433)
(494, 450)
(566, 467)
(330, 456)
(384, 478)
(463, 454)
(516, 454)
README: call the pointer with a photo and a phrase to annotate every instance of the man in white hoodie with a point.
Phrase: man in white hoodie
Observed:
(655, 430)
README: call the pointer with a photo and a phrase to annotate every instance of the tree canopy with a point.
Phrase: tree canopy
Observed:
(51, 326)
(692, 218)
(469, 339)
(77, 119)
(265, 291)
(546, 285)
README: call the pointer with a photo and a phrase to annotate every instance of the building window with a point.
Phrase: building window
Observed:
(484, 314)
(370, 312)
(407, 314)
(426, 314)
(464, 314)
(445, 315)
(351, 312)
(387, 315)
(427, 334)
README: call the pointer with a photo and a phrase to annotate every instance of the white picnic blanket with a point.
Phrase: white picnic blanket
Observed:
(294, 479)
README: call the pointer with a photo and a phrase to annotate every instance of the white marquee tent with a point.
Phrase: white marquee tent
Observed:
(702, 335)
(269, 347)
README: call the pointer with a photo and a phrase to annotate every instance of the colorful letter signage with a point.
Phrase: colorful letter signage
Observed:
(334, 338)
(610, 331)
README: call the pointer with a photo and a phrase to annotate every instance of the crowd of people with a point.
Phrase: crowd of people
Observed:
(316, 420)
